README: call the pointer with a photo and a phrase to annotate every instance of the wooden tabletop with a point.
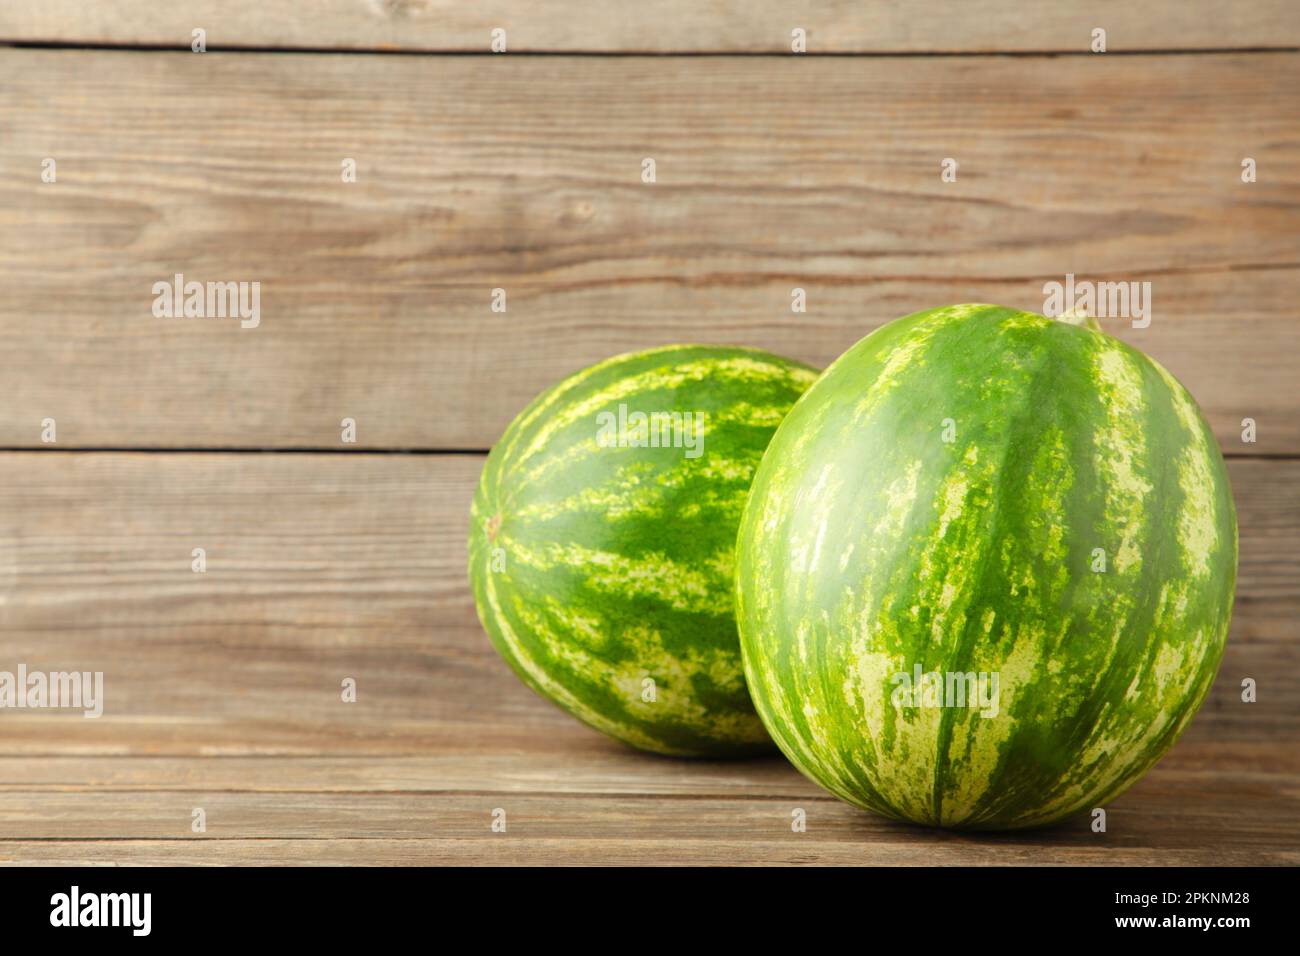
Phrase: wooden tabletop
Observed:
(331, 561)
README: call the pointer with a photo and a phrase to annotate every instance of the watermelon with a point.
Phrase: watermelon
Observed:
(602, 542)
(986, 569)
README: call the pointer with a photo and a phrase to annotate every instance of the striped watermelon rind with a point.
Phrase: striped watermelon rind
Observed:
(598, 568)
(938, 499)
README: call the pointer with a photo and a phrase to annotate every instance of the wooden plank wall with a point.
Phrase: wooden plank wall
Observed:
(477, 174)
(330, 560)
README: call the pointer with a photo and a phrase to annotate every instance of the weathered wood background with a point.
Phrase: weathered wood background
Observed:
(476, 172)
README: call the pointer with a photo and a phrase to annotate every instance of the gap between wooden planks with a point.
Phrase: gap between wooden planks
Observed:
(478, 173)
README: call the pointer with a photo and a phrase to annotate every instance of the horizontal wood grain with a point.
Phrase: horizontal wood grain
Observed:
(742, 849)
(838, 26)
(322, 567)
(772, 174)
(586, 764)
(1169, 817)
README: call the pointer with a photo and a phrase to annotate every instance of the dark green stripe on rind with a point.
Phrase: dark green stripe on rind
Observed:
(871, 544)
(619, 562)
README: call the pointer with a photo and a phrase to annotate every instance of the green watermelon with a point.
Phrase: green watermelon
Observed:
(986, 569)
(602, 543)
